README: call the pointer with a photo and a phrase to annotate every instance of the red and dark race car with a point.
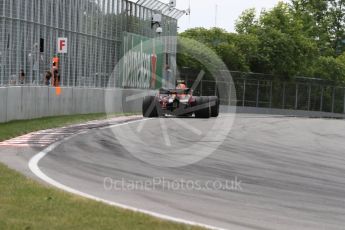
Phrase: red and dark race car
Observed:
(180, 102)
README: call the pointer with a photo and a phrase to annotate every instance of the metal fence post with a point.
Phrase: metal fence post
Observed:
(257, 94)
(271, 94)
(230, 92)
(201, 91)
(3, 53)
(284, 91)
(309, 97)
(244, 92)
(344, 101)
(321, 100)
(333, 99)
(296, 101)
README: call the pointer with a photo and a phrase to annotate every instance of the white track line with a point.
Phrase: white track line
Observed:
(33, 165)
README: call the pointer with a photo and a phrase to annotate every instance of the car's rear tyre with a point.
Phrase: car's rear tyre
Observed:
(204, 108)
(150, 107)
(214, 106)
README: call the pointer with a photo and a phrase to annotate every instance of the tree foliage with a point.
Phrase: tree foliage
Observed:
(300, 38)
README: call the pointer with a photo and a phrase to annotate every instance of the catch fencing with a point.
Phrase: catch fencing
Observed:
(95, 31)
(263, 91)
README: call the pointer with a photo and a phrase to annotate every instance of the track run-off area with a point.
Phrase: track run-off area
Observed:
(267, 172)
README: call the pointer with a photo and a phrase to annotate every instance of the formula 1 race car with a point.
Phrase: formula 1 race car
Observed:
(180, 102)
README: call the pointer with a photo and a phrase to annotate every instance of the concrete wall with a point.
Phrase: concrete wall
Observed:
(19, 103)
(281, 112)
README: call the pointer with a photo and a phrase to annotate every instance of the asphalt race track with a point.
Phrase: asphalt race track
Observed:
(289, 172)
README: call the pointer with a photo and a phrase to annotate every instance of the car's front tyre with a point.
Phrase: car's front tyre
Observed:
(150, 107)
(203, 107)
(214, 106)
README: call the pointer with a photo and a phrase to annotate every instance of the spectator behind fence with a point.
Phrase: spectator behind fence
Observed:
(21, 77)
(56, 78)
(48, 78)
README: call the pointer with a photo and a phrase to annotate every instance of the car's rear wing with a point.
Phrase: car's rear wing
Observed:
(175, 91)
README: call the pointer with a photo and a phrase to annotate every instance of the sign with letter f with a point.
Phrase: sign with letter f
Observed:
(62, 45)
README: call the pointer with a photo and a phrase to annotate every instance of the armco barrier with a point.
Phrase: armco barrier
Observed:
(19, 103)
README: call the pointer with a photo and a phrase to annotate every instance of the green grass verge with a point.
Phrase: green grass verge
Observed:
(17, 128)
(28, 205)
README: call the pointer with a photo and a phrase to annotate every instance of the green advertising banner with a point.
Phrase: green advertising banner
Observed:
(143, 62)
